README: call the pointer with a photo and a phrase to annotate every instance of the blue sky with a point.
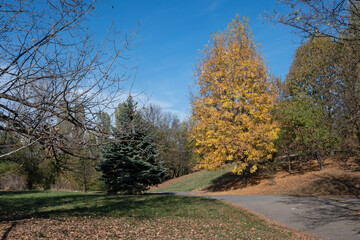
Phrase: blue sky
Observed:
(172, 32)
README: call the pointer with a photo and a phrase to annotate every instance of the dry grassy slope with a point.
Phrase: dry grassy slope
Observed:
(339, 178)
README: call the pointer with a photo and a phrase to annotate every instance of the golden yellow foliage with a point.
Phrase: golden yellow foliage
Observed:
(232, 104)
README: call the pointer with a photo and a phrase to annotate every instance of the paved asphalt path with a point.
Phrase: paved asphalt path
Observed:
(328, 218)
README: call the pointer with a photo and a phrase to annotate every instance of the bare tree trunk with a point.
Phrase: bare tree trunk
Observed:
(84, 176)
(320, 160)
(289, 161)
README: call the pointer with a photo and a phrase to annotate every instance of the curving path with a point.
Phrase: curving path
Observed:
(328, 218)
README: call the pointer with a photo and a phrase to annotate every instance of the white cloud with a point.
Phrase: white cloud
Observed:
(212, 7)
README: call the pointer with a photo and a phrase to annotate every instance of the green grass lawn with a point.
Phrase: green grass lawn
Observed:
(192, 182)
(54, 214)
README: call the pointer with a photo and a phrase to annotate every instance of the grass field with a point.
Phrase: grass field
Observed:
(192, 181)
(67, 215)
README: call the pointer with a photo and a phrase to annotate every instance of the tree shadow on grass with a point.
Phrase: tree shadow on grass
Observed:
(142, 206)
(10, 193)
(230, 181)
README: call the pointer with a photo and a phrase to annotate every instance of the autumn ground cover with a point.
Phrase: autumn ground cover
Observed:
(339, 178)
(68, 215)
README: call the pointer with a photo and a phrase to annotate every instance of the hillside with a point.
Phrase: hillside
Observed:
(191, 182)
(337, 179)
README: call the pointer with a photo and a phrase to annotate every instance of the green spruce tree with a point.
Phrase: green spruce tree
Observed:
(130, 164)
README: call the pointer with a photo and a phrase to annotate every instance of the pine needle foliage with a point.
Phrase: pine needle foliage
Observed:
(130, 164)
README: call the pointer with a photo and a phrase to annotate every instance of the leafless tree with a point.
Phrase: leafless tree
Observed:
(327, 18)
(50, 65)
(175, 149)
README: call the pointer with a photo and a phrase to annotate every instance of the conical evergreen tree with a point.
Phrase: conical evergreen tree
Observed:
(130, 164)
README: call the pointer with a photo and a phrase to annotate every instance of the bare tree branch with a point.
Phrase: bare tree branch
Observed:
(54, 77)
(325, 18)
(19, 149)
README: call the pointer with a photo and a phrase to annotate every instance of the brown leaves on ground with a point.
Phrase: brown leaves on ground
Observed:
(339, 178)
(130, 228)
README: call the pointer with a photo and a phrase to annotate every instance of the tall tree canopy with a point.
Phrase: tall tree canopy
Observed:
(327, 73)
(231, 107)
(315, 72)
(336, 66)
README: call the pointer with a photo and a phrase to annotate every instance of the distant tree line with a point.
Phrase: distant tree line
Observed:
(142, 146)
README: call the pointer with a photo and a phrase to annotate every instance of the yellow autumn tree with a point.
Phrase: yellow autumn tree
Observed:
(232, 102)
